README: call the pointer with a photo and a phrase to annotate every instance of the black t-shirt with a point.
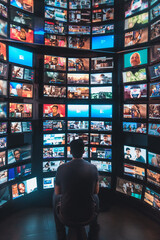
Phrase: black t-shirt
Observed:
(77, 180)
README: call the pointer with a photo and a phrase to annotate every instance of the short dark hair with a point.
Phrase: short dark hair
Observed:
(138, 149)
(55, 106)
(128, 149)
(77, 148)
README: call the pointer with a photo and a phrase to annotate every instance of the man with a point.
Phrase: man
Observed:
(17, 155)
(106, 140)
(55, 111)
(139, 158)
(76, 189)
(128, 155)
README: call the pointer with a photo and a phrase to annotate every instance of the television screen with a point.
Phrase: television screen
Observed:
(19, 127)
(54, 139)
(105, 14)
(78, 110)
(79, 4)
(134, 6)
(154, 71)
(59, 3)
(51, 166)
(20, 171)
(78, 64)
(55, 40)
(84, 30)
(3, 10)
(3, 176)
(80, 42)
(129, 188)
(55, 77)
(78, 92)
(136, 58)
(85, 155)
(152, 198)
(3, 51)
(135, 111)
(20, 56)
(3, 142)
(78, 125)
(4, 26)
(18, 154)
(137, 21)
(54, 125)
(77, 78)
(20, 17)
(56, 27)
(101, 63)
(154, 159)
(27, 126)
(154, 91)
(101, 111)
(101, 126)
(100, 139)
(3, 128)
(3, 70)
(155, 30)
(54, 152)
(153, 177)
(104, 181)
(135, 154)
(96, 152)
(23, 90)
(134, 171)
(101, 78)
(55, 63)
(74, 136)
(154, 53)
(154, 12)
(2, 158)
(24, 187)
(54, 110)
(54, 91)
(100, 3)
(26, 5)
(135, 75)
(4, 196)
(3, 110)
(48, 182)
(20, 110)
(154, 129)
(3, 88)
(135, 91)
(21, 34)
(80, 16)
(136, 37)
(103, 29)
(101, 92)
(102, 166)
(56, 14)
(103, 42)
(154, 111)
(22, 73)
(134, 127)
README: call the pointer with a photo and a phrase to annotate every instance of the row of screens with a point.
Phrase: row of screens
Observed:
(134, 127)
(15, 127)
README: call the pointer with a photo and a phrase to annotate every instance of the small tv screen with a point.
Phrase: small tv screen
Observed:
(3, 110)
(4, 27)
(4, 196)
(54, 91)
(54, 110)
(101, 3)
(20, 56)
(20, 110)
(2, 159)
(26, 5)
(55, 63)
(52, 166)
(21, 34)
(61, 3)
(53, 125)
(134, 127)
(54, 152)
(78, 110)
(74, 136)
(19, 154)
(78, 64)
(3, 88)
(22, 90)
(154, 53)
(21, 127)
(55, 14)
(129, 188)
(97, 152)
(103, 29)
(3, 70)
(154, 111)
(100, 139)
(154, 159)
(80, 4)
(54, 77)
(3, 142)
(153, 177)
(53, 139)
(78, 125)
(154, 12)
(101, 111)
(48, 182)
(154, 91)
(24, 187)
(69, 155)
(101, 63)
(135, 6)
(134, 171)
(3, 51)
(135, 111)
(3, 10)
(80, 16)
(100, 15)
(135, 75)
(136, 37)
(20, 17)
(155, 30)
(135, 91)
(3, 128)
(102, 166)
(101, 78)
(78, 78)
(78, 92)
(55, 40)
(104, 181)
(152, 198)
(56, 27)
(137, 21)
(101, 126)
(101, 92)
(20, 171)
(135, 58)
(3, 176)
(27, 127)
(136, 154)
(154, 129)
(154, 71)
(100, 42)
(80, 30)
(79, 42)
(26, 74)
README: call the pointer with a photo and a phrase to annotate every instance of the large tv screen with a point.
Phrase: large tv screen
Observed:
(98, 152)
(3, 128)
(78, 64)
(48, 183)
(4, 196)
(3, 70)
(134, 127)
(103, 29)
(136, 154)
(79, 4)
(3, 142)
(154, 91)
(54, 77)
(55, 40)
(80, 42)
(20, 127)
(21, 33)
(3, 88)
(56, 27)
(20, 110)
(53, 152)
(77, 125)
(27, 5)
(52, 166)
(4, 27)
(20, 171)
(100, 139)
(105, 14)
(60, 3)
(101, 126)
(135, 58)
(102, 166)
(2, 158)
(78, 110)
(16, 155)
(154, 71)
(53, 125)
(152, 198)
(78, 78)
(20, 17)
(135, 75)
(101, 92)
(100, 3)
(101, 63)
(101, 111)
(154, 159)
(154, 129)
(101, 78)
(80, 16)
(135, 111)
(155, 30)
(136, 37)
(54, 91)
(135, 6)
(103, 42)
(134, 171)
(78, 92)
(135, 91)
(154, 12)
(4, 10)
(54, 110)
(55, 63)
(3, 51)
(54, 139)
(104, 181)
(3, 176)
(137, 21)
(153, 177)
(18, 89)
(21, 73)
(154, 53)
(154, 111)
(55, 14)
(3, 110)
(81, 30)
(20, 56)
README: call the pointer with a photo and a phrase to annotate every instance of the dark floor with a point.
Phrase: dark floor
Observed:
(116, 224)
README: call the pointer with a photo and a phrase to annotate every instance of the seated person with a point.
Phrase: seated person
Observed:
(75, 196)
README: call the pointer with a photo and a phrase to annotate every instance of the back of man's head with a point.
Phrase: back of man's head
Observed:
(77, 148)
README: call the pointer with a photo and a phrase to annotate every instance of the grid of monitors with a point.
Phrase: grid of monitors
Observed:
(80, 90)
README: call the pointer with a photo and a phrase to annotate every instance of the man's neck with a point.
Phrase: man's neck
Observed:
(76, 158)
